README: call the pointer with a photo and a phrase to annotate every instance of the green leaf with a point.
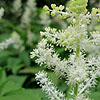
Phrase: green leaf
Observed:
(98, 85)
(7, 23)
(2, 75)
(10, 90)
(95, 95)
(17, 79)
(69, 91)
(25, 58)
(53, 77)
(4, 37)
(33, 70)
(14, 64)
(22, 94)
(4, 56)
(9, 86)
(41, 93)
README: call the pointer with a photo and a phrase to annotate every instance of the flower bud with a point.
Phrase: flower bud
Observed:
(93, 12)
(62, 38)
(71, 41)
(64, 16)
(53, 6)
(67, 34)
(77, 79)
(65, 43)
(53, 13)
(47, 13)
(61, 7)
(46, 8)
(59, 16)
(56, 8)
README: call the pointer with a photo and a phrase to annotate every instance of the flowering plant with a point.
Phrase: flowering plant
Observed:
(80, 71)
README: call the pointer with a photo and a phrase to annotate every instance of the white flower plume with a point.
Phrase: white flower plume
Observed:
(47, 86)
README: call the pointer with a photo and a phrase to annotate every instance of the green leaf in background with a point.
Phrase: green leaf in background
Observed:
(7, 25)
(32, 70)
(21, 94)
(13, 91)
(69, 91)
(9, 86)
(14, 64)
(95, 95)
(4, 56)
(98, 86)
(17, 79)
(2, 75)
(41, 94)
(53, 77)
(24, 56)
(3, 37)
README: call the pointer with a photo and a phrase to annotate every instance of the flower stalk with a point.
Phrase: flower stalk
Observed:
(76, 90)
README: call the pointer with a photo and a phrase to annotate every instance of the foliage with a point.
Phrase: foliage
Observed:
(20, 24)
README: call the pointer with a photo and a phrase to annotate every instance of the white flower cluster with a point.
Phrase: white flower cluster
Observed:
(80, 71)
(75, 69)
(29, 12)
(18, 42)
(96, 37)
(1, 12)
(17, 4)
(6, 43)
(30, 38)
(25, 20)
(15, 40)
(46, 55)
(70, 37)
(32, 5)
(47, 86)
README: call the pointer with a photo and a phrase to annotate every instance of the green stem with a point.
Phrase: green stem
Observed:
(77, 51)
(76, 90)
(77, 55)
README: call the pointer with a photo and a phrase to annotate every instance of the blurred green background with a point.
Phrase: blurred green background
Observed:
(24, 21)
